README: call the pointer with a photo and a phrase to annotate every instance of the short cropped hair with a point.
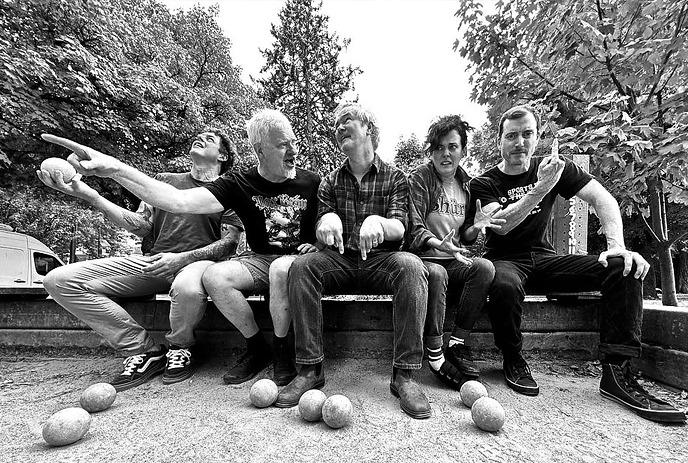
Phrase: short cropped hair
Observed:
(518, 112)
(260, 124)
(442, 126)
(362, 114)
(227, 147)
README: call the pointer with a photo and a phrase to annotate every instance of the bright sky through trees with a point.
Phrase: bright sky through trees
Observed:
(410, 76)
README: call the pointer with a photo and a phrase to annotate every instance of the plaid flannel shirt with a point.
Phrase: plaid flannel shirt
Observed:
(383, 191)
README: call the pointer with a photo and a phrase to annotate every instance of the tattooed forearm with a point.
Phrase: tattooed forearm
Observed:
(215, 251)
(135, 223)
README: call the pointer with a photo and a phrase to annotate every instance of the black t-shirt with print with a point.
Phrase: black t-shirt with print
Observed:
(277, 217)
(530, 235)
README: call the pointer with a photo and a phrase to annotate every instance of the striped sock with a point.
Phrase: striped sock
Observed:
(435, 357)
(454, 340)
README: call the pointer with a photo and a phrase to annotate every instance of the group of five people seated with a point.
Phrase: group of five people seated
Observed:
(365, 227)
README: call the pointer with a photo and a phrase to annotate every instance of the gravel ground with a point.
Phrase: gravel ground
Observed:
(205, 420)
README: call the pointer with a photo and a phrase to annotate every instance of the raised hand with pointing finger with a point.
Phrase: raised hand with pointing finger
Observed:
(86, 160)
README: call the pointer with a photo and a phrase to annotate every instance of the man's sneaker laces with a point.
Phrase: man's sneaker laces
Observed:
(131, 363)
(178, 358)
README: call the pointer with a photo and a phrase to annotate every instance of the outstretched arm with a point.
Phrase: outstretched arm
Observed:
(138, 222)
(88, 161)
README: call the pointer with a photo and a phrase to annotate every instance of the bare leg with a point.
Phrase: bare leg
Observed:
(224, 282)
(279, 302)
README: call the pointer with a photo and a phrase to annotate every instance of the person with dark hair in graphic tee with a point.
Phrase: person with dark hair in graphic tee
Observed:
(522, 189)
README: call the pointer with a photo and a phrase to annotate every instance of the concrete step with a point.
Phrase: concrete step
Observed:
(340, 314)
(362, 327)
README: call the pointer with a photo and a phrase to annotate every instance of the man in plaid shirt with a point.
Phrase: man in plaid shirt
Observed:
(362, 217)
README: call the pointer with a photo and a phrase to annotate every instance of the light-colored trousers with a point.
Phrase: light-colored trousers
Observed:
(84, 290)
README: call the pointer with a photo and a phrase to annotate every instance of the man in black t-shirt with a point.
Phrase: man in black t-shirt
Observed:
(276, 202)
(524, 189)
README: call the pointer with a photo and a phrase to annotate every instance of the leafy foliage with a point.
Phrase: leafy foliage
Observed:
(409, 153)
(305, 79)
(125, 76)
(610, 74)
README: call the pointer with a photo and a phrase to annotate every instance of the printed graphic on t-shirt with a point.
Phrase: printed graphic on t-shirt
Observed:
(282, 218)
(449, 206)
(517, 193)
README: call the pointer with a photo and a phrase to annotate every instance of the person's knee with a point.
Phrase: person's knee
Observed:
(483, 269)
(279, 269)
(615, 266)
(187, 288)
(437, 276)
(302, 268)
(217, 278)
(506, 285)
(410, 264)
(54, 280)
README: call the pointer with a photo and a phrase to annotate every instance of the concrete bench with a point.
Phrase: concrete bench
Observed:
(355, 325)
(361, 326)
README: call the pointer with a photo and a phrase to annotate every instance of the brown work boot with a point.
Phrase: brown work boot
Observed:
(310, 377)
(411, 397)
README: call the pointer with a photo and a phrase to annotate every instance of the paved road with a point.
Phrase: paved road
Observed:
(204, 420)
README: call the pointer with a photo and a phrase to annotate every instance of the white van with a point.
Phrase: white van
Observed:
(24, 261)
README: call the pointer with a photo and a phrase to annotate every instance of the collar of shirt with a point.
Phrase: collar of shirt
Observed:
(376, 165)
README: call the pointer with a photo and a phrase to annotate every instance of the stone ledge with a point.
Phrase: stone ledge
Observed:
(346, 314)
(362, 327)
(666, 365)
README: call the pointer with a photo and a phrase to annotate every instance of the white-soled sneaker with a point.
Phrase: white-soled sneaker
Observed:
(180, 365)
(139, 369)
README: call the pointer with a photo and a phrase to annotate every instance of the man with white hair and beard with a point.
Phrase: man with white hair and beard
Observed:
(277, 203)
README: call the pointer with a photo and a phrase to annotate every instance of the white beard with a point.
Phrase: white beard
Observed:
(291, 173)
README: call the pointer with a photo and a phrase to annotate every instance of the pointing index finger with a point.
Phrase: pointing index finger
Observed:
(555, 149)
(69, 144)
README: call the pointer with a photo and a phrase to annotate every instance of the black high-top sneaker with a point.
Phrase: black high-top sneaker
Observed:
(620, 385)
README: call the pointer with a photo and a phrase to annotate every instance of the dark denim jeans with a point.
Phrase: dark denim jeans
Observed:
(454, 280)
(400, 273)
(620, 320)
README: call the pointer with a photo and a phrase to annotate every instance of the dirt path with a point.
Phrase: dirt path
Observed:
(204, 420)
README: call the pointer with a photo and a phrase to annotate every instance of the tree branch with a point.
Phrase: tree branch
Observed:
(671, 243)
(650, 228)
(607, 59)
(668, 54)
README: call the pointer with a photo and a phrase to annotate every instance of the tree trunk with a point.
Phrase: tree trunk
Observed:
(650, 281)
(657, 203)
(666, 266)
(682, 271)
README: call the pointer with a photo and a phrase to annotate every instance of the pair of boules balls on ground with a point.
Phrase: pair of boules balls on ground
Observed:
(314, 405)
(486, 412)
(55, 165)
(71, 424)
(336, 411)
